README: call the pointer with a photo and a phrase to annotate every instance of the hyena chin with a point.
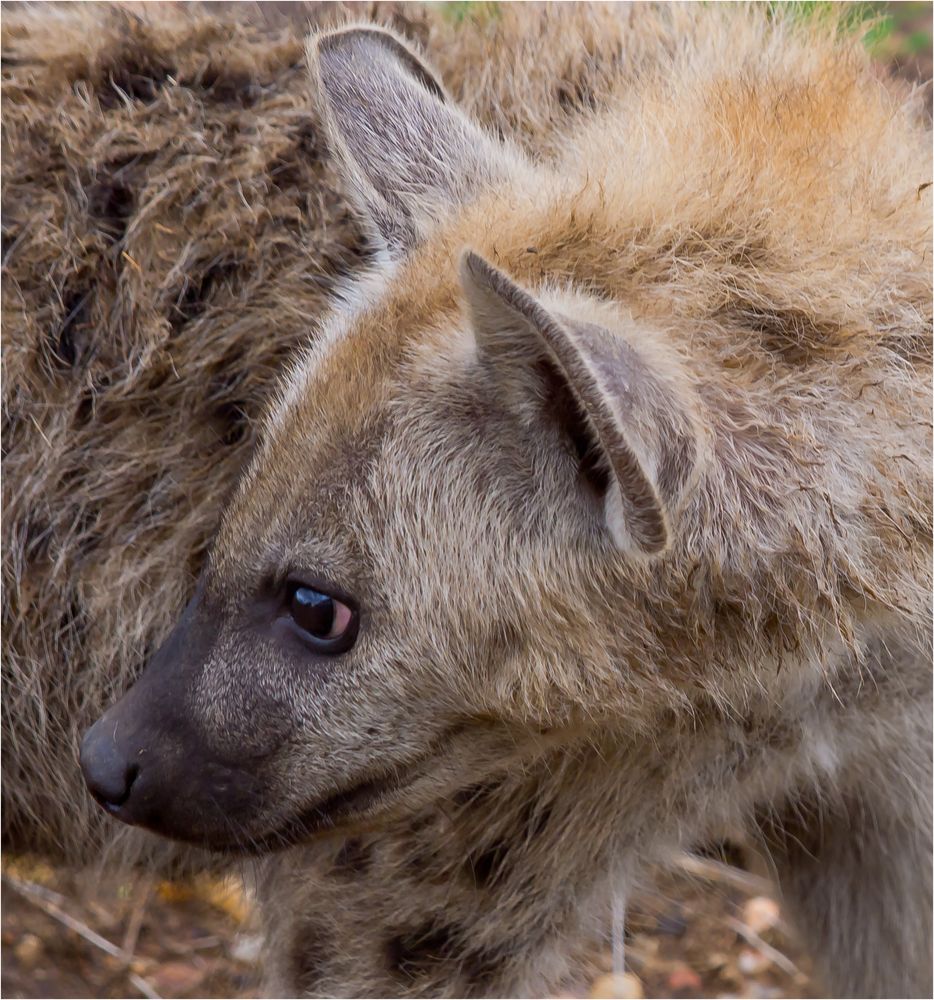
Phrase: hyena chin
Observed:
(561, 512)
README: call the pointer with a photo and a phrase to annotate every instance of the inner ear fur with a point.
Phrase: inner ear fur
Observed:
(634, 439)
(405, 150)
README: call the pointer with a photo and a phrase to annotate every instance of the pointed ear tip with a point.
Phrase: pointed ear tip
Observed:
(327, 38)
(321, 43)
(473, 266)
(468, 265)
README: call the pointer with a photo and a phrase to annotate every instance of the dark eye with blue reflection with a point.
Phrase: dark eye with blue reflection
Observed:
(325, 622)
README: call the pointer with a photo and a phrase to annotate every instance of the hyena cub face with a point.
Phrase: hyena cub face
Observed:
(452, 505)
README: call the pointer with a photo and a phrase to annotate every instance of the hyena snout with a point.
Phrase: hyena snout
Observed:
(150, 760)
(164, 781)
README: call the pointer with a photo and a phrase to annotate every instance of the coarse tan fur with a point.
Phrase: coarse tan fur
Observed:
(172, 230)
(623, 457)
(732, 218)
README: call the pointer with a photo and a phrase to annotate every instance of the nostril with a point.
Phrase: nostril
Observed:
(131, 774)
(107, 772)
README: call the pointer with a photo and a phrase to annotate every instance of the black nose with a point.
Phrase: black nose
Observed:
(107, 770)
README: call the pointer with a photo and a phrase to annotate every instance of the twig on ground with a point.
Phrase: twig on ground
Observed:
(772, 954)
(131, 936)
(717, 871)
(50, 903)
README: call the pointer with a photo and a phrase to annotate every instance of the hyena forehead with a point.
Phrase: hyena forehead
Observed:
(352, 298)
(431, 307)
(290, 507)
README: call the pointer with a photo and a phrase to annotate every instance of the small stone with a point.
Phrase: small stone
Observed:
(617, 986)
(28, 950)
(761, 914)
(174, 978)
(682, 977)
(246, 948)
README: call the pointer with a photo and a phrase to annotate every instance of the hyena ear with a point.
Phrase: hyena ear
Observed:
(635, 443)
(407, 153)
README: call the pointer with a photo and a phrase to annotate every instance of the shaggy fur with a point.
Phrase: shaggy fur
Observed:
(172, 228)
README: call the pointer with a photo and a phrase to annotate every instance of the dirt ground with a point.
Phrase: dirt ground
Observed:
(710, 930)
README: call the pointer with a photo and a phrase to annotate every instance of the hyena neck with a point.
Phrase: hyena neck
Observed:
(477, 896)
(490, 892)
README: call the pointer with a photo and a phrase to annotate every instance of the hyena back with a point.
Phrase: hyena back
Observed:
(597, 518)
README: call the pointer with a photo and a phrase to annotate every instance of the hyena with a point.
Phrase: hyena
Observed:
(135, 348)
(595, 519)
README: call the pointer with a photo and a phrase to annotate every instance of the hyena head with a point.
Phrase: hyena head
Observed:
(437, 561)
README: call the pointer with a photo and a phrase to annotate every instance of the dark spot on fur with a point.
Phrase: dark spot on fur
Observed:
(9, 230)
(414, 954)
(69, 341)
(420, 852)
(136, 74)
(506, 641)
(427, 865)
(576, 96)
(488, 865)
(228, 86)
(536, 819)
(233, 421)
(73, 619)
(290, 171)
(673, 923)
(726, 851)
(354, 858)
(475, 795)
(480, 971)
(112, 204)
(791, 333)
(84, 411)
(37, 535)
(308, 956)
(197, 292)
(111, 192)
(421, 822)
(9, 426)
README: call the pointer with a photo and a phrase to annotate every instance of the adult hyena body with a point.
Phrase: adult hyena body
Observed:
(597, 520)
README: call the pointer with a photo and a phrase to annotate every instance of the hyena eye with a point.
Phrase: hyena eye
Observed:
(327, 623)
